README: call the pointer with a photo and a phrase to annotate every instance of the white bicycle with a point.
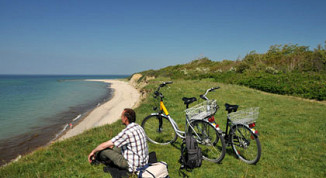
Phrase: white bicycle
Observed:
(161, 129)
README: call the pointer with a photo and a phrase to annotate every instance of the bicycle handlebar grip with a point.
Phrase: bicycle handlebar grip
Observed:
(214, 88)
(165, 83)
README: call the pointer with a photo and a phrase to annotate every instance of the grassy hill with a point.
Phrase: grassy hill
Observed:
(287, 70)
(292, 134)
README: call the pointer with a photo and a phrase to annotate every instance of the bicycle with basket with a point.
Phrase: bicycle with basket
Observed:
(160, 128)
(240, 133)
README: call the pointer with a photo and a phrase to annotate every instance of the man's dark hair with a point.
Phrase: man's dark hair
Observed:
(130, 114)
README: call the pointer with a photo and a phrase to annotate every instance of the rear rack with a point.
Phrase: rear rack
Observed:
(245, 116)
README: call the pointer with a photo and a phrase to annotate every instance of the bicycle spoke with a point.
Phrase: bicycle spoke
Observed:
(159, 130)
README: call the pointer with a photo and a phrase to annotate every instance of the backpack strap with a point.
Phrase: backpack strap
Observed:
(190, 142)
(182, 159)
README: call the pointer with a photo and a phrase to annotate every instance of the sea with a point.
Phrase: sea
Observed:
(37, 109)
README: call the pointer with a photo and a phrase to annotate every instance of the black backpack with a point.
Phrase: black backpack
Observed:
(191, 156)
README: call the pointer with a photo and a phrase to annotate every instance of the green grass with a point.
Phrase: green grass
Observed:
(292, 134)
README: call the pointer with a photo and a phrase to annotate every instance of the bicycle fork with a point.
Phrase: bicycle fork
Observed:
(160, 121)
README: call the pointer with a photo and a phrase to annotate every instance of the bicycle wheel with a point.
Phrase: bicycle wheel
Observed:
(210, 141)
(245, 144)
(159, 129)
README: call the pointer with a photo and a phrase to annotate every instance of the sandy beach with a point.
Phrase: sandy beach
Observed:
(125, 96)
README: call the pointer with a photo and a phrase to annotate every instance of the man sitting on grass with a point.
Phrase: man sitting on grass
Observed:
(128, 150)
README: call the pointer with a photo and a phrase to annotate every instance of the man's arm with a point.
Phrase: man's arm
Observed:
(102, 146)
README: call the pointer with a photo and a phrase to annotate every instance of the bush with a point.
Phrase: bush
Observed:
(297, 84)
(300, 71)
(271, 70)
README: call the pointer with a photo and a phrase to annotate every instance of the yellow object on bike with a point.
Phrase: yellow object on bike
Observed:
(162, 107)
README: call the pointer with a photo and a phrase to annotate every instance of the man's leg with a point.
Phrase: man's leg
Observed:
(115, 156)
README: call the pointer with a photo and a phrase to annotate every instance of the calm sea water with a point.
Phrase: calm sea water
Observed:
(35, 108)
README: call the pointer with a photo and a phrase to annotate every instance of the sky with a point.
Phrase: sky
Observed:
(126, 37)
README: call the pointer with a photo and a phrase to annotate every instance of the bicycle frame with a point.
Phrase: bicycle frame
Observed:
(164, 112)
(227, 130)
(202, 128)
(163, 108)
(174, 125)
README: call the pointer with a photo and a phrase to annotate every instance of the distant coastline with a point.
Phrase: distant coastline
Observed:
(21, 144)
(124, 96)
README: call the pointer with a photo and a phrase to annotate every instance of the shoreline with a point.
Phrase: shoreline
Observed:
(124, 96)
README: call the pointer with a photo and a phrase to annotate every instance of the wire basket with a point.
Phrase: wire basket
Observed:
(202, 110)
(245, 116)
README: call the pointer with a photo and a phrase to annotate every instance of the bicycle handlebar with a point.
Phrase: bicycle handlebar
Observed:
(204, 97)
(157, 92)
(165, 83)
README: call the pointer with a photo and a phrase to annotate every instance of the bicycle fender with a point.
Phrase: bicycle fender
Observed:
(217, 128)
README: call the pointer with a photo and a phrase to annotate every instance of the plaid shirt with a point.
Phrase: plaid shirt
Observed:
(132, 141)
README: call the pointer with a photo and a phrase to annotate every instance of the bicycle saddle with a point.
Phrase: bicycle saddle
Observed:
(231, 108)
(188, 101)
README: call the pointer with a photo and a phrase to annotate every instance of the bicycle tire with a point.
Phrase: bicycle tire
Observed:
(211, 142)
(245, 144)
(159, 135)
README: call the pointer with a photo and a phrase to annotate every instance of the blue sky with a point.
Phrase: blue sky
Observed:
(124, 37)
